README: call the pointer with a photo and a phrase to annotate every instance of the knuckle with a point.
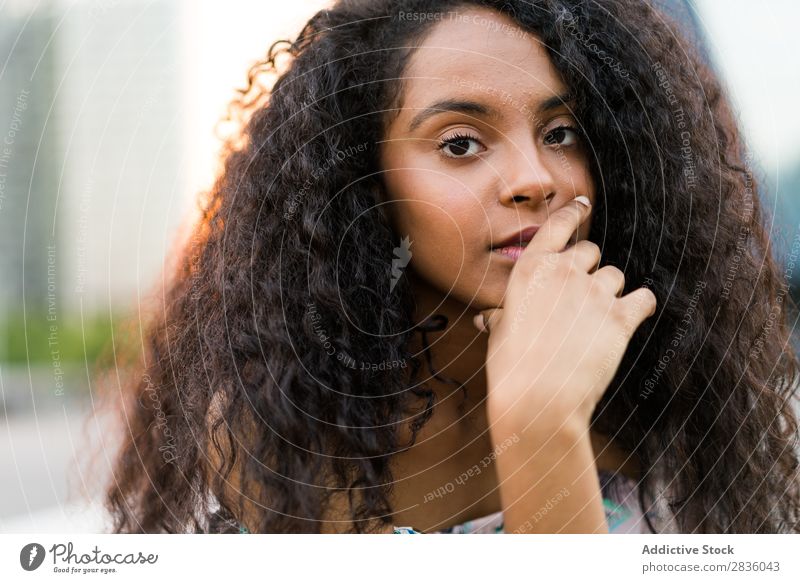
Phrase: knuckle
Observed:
(575, 268)
(617, 276)
(651, 301)
(565, 268)
(611, 276)
(590, 247)
(621, 314)
(545, 260)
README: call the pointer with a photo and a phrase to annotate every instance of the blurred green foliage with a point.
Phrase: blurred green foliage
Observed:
(34, 339)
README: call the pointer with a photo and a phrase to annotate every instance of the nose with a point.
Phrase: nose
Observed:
(528, 180)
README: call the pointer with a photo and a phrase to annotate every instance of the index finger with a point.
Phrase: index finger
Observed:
(556, 232)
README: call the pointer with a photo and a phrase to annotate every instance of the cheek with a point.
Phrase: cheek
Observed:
(446, 225)
(435, 211)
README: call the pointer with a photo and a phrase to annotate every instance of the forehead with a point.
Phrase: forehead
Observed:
(480, 51)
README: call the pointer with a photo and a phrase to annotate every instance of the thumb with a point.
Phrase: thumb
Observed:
(485, 320)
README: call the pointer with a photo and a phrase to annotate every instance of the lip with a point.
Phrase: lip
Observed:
(517, 239)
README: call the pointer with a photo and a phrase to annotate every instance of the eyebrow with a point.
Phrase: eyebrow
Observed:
(476, 108)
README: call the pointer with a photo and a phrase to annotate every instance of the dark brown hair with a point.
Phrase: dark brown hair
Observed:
(237, 400)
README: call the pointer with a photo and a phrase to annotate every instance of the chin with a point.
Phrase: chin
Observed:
(488, 296)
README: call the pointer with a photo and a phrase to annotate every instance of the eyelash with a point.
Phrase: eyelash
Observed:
(460, 137)
(452, 140)
(573, 129)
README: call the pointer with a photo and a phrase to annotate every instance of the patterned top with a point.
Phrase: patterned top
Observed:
(620, 502)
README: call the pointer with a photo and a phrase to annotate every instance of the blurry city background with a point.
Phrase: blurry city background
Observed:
(108, 112)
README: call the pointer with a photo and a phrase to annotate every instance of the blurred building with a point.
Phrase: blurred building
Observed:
(92, 118)
(120, 117)
(30, 159)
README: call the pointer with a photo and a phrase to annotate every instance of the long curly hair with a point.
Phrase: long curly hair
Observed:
(251, 398)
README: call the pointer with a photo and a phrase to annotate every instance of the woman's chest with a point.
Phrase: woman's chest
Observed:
(433, 490)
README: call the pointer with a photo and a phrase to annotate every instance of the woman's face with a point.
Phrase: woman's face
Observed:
(483, 147)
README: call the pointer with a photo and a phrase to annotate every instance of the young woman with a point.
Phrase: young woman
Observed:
(473, 266)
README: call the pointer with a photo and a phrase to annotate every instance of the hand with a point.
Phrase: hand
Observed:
(558, 339)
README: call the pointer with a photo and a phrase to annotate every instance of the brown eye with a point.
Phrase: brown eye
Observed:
(459, 146)
(562, 136)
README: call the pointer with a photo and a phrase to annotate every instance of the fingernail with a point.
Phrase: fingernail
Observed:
(478, 322)
(584, 200)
